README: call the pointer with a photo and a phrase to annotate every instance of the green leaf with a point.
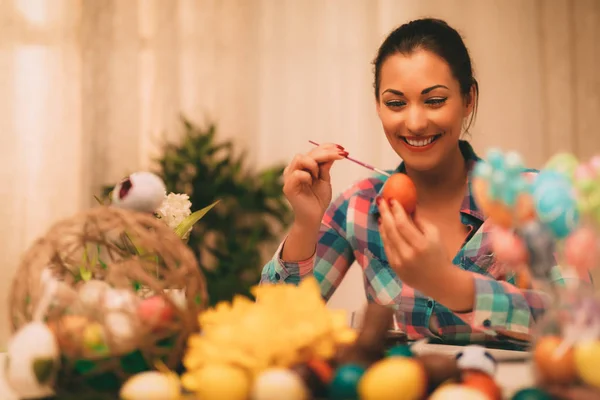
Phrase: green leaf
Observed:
(185, 225)
(43, 369)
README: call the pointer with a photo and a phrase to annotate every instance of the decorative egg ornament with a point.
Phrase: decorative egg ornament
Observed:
(475, 357)
(32, 361)
(552, 366)
(140, 191)
(587, 362)
(345, 382)
(218, 382)
(454, 391)
(401, 188)
(531, 394)
(151, 385)
(277, 384)
(397, 378)
(555, 203)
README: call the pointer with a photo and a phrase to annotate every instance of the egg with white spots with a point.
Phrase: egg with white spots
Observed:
(32, 361)
(475, 357)
(141, 191)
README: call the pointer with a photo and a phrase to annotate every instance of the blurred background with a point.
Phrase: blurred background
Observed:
(92, 90)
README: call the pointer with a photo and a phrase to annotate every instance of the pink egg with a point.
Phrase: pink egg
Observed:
(507, 247)
(581, 250)
(155, 311)
(584, 171)
(595, 164)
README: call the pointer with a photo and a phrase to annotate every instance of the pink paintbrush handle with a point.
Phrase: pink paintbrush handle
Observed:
(367, 166)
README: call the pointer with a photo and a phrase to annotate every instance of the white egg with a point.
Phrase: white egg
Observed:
(477, 358)
(92, 292)
(151, 385)
(32, 361)
(141, 191)
(178, 297)
(120, 300)
(277, 384)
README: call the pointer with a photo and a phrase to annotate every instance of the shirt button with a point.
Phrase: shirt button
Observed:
(429, 303)
(277, 276)
(487, 323)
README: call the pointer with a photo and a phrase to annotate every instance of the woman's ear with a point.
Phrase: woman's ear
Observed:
(470, 100)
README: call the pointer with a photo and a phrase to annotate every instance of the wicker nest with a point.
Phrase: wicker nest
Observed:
(128, 294)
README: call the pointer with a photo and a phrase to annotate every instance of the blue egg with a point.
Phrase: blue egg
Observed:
(482, 170)
(496, 158)
(555, 203)
(345, 382)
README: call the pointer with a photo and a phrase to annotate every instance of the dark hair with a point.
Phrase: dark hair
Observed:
(438, 37)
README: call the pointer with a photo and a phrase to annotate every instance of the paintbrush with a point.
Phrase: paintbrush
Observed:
(367, 166)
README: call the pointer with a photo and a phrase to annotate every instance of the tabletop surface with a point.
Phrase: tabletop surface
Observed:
(511, 375)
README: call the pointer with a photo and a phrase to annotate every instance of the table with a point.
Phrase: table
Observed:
(511, 375)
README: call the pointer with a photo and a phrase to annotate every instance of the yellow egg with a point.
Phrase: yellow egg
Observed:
(218, 382)
(396, 378)
(454, 391)
(587, 362)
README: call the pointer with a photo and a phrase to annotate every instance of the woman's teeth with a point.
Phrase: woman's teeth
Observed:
(420, 142)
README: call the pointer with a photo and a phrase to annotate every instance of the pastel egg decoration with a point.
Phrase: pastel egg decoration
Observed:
(151, 385)
(582, 249)
(501, 190)
(586, 355)
(555, 203)
(455, 391)
(563, 163)
(587, 183)
(109, 331)
(32, 361)
(508, 247)
(278, 383)
(140, 191)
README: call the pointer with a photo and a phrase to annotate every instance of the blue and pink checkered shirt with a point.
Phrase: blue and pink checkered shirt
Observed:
(349, 233)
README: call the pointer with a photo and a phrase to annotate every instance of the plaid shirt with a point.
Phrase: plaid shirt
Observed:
(349, 233)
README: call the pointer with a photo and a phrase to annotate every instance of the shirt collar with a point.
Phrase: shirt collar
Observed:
(469, 206)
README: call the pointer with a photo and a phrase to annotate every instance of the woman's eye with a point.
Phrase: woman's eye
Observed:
(395, 103)
(436, 101)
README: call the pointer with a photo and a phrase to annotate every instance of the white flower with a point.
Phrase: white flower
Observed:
(174, 209)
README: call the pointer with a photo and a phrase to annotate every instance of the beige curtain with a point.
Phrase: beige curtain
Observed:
(89, 88)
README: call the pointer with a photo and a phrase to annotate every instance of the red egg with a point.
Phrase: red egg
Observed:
(401, 188)
(155, 311)
(483, 383)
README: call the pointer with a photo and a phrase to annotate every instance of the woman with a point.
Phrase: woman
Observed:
(436, 268)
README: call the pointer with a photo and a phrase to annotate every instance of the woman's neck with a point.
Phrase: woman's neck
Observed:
(445, 181)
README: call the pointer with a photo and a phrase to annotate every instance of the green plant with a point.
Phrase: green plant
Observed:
(233, 241)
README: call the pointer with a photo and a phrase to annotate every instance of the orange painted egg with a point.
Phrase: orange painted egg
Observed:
(401, 188)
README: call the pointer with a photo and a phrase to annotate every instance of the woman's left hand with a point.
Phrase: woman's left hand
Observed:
(413, 247)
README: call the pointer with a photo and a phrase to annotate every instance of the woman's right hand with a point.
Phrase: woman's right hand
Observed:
(307, 184)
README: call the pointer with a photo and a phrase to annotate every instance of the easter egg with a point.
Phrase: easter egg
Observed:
(151, 385)
(555, 203)
(141, 191)
(508, 247)
(401, 350)
(455, 391)
(482, 382)
(155, 311)
(439, 368)
(401, 188)
(551, 366)
(531, 394)
(397, 378)
(476, 358)
(277, 384)
(587, 362)
(581, 250)
(32, 361)
(563, 163)
(345, 382)
(219, 381)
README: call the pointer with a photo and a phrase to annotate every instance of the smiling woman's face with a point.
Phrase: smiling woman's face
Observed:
(421, 108)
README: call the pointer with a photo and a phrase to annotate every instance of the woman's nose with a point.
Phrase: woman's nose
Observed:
(416, 121)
